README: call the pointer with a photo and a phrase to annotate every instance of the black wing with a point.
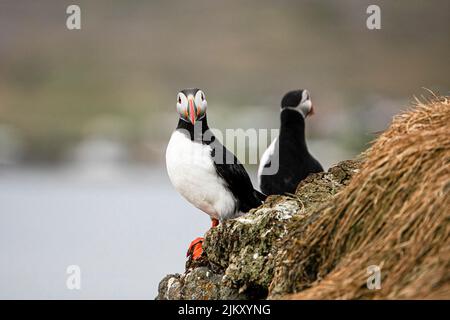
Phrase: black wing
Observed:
(236, 178)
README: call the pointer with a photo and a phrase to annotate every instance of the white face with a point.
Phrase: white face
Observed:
(305, 105)
(192, 108)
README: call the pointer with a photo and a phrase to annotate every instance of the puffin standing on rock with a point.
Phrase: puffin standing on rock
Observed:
(203, 171)
(287, 160)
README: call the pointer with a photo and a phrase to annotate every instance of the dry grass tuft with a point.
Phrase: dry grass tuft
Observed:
(394, 213)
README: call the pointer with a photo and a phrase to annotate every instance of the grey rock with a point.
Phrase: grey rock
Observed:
(250, 257)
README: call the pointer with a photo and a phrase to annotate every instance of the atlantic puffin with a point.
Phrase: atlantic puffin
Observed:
(203, 171)
(287, 160)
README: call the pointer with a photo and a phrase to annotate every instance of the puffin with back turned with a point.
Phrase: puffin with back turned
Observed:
(203, 171)
(287, 160)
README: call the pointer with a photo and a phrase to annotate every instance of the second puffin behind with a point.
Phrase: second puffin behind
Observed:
(287, 160)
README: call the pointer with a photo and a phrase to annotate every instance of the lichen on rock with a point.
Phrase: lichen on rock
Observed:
(196, 284)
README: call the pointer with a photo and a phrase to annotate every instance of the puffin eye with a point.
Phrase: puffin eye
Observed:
(179, 99)
(200, 97)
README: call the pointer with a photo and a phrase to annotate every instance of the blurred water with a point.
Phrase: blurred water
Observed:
(126, 229)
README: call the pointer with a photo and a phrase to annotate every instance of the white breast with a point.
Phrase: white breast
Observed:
(266, 157)
(191, 171)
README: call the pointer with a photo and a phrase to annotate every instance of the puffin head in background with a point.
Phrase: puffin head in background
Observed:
(191, 105)
(299, 100)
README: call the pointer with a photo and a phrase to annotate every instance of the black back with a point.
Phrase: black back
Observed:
(295, 161)
(227, 166)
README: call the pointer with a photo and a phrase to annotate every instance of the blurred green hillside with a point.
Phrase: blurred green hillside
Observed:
(118, 76)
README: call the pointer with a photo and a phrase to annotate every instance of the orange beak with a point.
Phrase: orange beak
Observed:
(192, 113)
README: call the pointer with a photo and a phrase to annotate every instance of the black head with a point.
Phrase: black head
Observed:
(190, 91)
(299, 100)
(191, 105)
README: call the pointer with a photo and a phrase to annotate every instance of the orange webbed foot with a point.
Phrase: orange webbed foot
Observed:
(195, 248)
